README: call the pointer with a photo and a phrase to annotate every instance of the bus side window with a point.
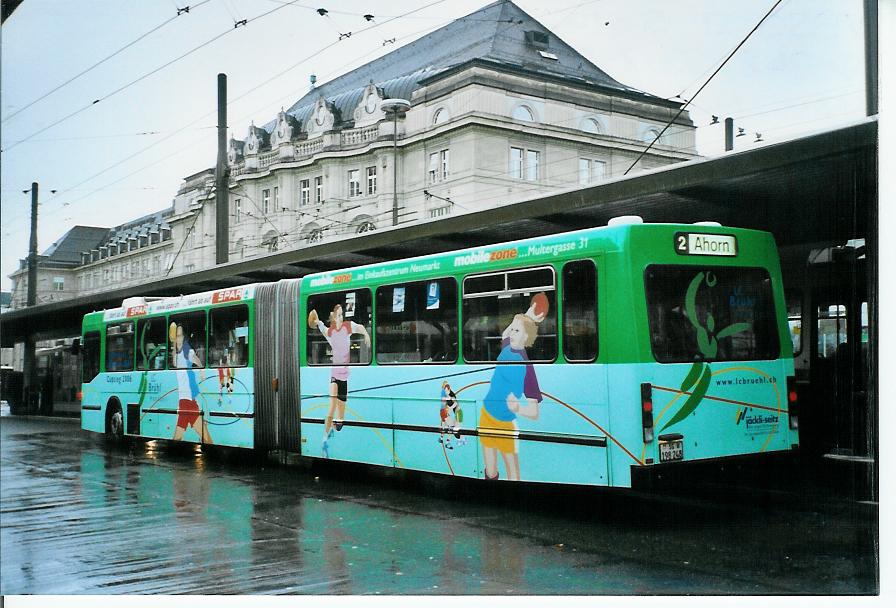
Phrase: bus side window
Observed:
(417, 322)
(496, 305)
(337, 325)
(120, 347)
(580, 339)
(228, 336)
(151, 344)
(186, 329)
(91, 351)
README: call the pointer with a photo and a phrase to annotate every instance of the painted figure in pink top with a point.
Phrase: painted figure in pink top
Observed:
(338, 335)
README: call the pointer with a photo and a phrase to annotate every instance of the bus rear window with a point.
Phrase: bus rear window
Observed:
(710, 314)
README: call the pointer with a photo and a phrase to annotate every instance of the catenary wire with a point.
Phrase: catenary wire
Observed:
(143, 77)
(703, 86)
(248, 92)
(180, 12)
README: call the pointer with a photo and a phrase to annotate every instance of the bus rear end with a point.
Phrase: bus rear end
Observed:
(716, 378)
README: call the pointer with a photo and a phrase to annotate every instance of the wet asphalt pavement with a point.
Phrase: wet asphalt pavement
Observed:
(80, 516)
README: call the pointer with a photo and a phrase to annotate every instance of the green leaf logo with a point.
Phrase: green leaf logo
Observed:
(707, 337)
(698, 378)
(699, 375)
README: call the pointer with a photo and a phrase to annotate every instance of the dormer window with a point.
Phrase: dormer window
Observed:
(536, 39)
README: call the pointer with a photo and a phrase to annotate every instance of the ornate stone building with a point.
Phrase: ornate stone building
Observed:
(501, 109)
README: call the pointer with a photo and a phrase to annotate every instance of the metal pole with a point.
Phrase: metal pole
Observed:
(32, 250)
(871, 57)
(729, 134)
(395, 167)
(29, 363)
(222, 179)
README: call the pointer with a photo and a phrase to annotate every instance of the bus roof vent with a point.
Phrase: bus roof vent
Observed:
(716, 224)
(135, 301)
(625, 220)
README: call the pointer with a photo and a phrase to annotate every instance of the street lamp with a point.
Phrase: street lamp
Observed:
(395, 107)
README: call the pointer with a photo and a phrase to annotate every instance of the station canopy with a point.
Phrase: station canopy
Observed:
(816, 190)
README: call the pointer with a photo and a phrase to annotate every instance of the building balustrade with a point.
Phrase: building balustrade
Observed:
(353, 137)
(268, 158)
(305, 149)
(309, 148)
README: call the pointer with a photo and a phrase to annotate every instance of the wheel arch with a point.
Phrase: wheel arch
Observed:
(113, 403)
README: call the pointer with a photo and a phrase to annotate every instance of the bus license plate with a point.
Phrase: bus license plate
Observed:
(670, 451)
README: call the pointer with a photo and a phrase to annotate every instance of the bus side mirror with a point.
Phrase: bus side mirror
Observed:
(76, 346)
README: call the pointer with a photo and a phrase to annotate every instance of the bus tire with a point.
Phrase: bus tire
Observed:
(114, 422)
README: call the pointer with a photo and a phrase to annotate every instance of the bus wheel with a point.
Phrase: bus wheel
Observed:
(115, 423)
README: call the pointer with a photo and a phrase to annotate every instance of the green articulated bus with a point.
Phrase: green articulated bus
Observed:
(572, 358)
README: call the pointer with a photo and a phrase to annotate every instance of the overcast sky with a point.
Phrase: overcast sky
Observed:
(801, 72)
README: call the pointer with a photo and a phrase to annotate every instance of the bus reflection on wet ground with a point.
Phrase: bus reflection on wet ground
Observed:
(81, 516)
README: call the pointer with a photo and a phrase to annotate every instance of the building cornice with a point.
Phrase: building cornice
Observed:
(529, 75)
(598, 101)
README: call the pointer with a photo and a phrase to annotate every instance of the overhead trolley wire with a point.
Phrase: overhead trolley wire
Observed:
(700, 77)
(193, 122)
(180, 11)
(703, 86)
(147, 75)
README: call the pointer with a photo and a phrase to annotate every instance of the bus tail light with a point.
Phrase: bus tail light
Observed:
(647, 411)
(79, 396)
(792, 404)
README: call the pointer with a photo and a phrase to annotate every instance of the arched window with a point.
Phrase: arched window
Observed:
(271, 240)
(440, 117)
(650, 135)
(314, 236)
(589, 125)
(523, 113)
(366, 226)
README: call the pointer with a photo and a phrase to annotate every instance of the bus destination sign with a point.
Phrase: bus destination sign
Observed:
(693, 243)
